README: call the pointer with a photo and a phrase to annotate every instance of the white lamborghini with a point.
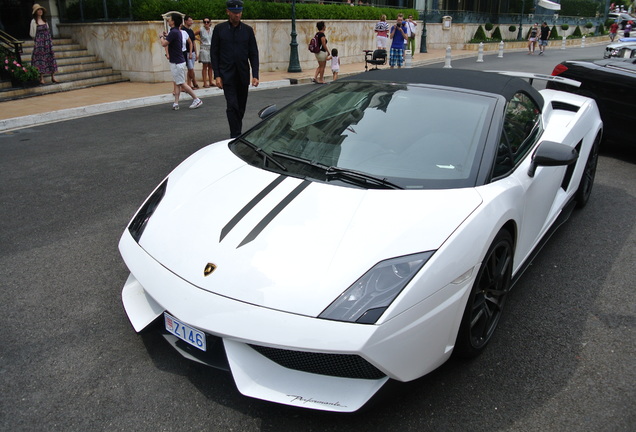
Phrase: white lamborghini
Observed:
(361, 234)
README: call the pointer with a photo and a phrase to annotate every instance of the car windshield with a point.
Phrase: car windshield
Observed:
(412, 136)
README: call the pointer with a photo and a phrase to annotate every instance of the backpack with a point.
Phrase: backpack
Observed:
(314, 44)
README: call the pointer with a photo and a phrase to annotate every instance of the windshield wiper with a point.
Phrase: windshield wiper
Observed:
(301, 160)
(360, 177)
(345, 174)
(262, 153)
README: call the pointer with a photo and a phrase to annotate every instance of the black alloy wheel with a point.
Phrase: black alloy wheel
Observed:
(589, 172)
(487, 298)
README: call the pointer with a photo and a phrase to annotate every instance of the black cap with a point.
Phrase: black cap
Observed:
(234, 5)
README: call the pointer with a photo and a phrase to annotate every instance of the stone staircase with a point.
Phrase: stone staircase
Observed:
(77, 69)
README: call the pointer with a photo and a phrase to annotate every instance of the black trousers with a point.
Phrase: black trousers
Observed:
(236, 99)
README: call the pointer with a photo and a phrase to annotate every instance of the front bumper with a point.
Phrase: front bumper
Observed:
(404, 348)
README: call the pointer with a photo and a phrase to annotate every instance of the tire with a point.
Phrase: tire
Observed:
(584, 191)
(487, 298)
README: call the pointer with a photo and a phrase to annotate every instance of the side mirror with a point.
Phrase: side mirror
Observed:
(267, 111)
(550, 153)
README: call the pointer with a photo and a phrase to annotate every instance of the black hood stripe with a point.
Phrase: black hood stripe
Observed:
(275, 211)
(250, 205)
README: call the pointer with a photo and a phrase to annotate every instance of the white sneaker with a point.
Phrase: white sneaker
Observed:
(175, 106)
(196, 103)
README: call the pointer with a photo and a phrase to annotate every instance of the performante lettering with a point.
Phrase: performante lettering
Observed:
(304, 401)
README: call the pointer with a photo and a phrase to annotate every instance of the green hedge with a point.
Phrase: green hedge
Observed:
(151, 10)
(585, 8)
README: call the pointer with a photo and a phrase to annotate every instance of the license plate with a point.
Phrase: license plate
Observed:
(188, 334)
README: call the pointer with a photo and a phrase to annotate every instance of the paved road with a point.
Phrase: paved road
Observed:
(563, 357)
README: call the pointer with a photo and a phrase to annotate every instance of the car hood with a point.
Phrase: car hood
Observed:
(286, 243)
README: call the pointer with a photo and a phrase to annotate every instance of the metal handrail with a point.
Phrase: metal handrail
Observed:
(11, 45)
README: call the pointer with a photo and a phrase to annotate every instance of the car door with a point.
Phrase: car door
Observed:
(522, 131)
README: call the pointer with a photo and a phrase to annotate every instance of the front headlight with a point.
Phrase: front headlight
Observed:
(367, 299)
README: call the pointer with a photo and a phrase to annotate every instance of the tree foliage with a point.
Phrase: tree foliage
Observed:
(480, 35)
(496, 34)
(554, 34)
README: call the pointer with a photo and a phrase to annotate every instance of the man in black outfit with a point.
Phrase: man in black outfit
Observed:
(233, 50)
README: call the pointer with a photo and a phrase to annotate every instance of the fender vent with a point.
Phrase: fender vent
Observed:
(338, 365)
(557, 105)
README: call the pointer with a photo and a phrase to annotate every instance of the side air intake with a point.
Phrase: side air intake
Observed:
(564, 106)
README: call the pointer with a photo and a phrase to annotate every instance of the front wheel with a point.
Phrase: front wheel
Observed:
(487, 298)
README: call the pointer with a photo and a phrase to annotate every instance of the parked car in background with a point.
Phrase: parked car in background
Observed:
(612, 83)
(621, 18)
(620, 50)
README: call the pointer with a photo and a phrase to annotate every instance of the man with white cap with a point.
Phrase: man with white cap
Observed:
(233, 51)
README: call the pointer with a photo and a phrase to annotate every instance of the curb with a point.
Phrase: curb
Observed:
(15, 123)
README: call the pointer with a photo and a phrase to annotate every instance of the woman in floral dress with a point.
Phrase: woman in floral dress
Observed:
(43, 57)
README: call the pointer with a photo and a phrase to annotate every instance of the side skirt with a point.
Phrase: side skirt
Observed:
(563, 216)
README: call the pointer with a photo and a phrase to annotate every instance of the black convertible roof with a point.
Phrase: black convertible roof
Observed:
(489, 82)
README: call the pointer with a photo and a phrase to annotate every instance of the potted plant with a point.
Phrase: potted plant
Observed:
(21, 75)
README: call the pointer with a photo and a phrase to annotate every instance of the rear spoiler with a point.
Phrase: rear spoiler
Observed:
(534, 76)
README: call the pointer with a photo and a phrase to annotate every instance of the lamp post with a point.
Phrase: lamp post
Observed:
(294, 63)
(519, 35)
(423, 38)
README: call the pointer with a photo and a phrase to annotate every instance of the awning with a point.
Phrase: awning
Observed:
(549, 5)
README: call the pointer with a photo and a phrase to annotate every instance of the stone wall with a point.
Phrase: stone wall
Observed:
(134, 49)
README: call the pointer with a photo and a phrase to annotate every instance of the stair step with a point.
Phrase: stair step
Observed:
(77, 68)
(84, 74)
(62, 41)
(27, 51)
(74, 64)
(76, 60)
(81, 67)
(17, 93)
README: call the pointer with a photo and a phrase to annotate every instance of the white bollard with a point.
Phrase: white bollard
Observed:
(408, 59)
(447, 59)
(480, 53)
(501, 47)
(583, 42)
(563, 43)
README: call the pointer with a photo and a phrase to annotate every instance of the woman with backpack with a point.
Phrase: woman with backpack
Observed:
(322, 55)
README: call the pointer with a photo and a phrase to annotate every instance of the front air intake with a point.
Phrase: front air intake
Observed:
(338, 365)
